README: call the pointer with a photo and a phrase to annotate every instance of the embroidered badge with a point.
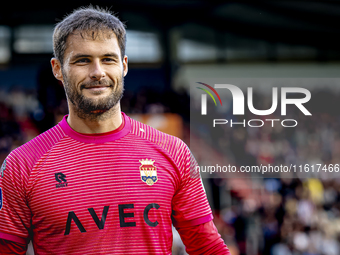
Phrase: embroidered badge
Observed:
(148, 172)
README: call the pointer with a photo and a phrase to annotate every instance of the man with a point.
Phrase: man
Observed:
(100, 182)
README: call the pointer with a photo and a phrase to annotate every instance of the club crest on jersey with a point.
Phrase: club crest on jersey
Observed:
(148, 172)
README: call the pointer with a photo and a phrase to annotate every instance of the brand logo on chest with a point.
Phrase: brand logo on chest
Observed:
(61, 179)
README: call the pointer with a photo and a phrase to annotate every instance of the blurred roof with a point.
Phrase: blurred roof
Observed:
(313, 23)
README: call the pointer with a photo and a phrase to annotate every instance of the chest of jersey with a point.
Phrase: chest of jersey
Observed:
(89, 188)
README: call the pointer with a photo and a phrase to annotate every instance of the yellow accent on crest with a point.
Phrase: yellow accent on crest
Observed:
(148, 172)
(147, 161)
(149, 182)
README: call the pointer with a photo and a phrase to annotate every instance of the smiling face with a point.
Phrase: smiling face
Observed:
(92, 73)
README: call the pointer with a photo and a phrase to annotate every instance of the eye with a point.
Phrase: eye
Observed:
(108, 60)
(82, 60)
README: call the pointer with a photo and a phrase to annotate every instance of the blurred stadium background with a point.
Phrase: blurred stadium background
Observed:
(174, 41)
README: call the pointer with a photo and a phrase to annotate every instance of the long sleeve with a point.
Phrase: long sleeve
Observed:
(203, 239)
(13, 248)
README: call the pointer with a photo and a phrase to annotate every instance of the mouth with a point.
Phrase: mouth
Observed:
(97, 88)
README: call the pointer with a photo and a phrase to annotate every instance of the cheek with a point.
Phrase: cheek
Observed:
(73, 76)
(116, 75)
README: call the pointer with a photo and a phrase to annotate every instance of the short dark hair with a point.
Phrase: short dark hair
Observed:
(85, 20)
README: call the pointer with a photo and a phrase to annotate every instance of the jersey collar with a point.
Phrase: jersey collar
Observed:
(98, 137)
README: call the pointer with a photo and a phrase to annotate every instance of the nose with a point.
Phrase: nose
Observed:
(97, 71)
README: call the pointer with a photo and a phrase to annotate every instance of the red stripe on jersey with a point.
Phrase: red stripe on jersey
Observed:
(9, 247)
(194, 222)
(203, 239)
(13, 238)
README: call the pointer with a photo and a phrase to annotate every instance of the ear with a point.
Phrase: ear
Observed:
(125, 65)
(56, 69)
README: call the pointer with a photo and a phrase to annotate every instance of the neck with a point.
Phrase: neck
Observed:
(106, 122)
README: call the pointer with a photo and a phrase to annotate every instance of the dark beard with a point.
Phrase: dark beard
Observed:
(89, 109)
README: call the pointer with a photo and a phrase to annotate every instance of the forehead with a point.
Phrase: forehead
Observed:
(89, 42)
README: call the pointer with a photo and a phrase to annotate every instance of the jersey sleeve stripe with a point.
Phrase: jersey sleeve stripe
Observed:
(194, 222)
(13, 238)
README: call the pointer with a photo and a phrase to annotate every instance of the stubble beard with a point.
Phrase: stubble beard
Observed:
(94, 109)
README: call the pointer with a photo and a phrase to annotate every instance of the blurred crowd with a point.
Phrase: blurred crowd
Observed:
(18, 110)
(298, 217)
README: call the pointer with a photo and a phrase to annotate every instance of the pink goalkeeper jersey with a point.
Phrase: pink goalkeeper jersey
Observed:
(110, 193)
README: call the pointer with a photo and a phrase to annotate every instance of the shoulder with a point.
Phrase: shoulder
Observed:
(30, 152)
(169, 143)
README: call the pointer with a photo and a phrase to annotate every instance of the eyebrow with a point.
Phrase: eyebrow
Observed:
(80, 55)
(111, 54)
